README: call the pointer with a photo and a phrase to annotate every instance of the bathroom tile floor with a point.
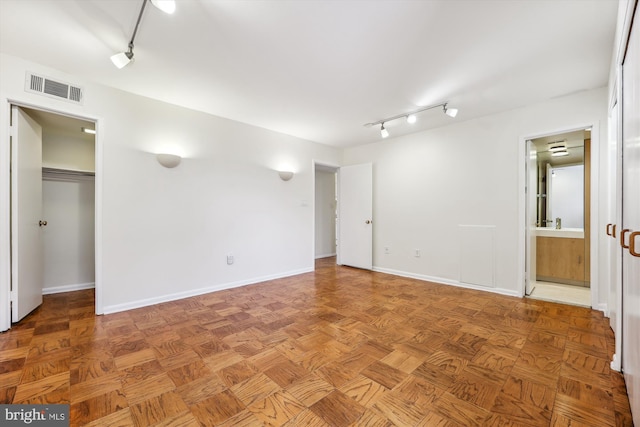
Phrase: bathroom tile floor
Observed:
(567, 294)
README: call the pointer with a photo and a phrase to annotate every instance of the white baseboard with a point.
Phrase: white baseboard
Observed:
(615, 363)
(443, 281)
(325, 255)
(603, 308)
(67, 288)
(181, 295)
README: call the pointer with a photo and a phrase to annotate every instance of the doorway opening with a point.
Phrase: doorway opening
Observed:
(61, 193)
(326, 205)
(348, 207)
(559, 218)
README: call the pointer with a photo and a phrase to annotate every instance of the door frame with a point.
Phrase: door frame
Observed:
(5, 200)
(595, 220)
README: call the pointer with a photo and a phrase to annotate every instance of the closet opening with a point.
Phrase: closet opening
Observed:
(66, 242)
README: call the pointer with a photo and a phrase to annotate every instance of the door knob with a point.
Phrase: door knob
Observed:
(368, 221)
(42, 223)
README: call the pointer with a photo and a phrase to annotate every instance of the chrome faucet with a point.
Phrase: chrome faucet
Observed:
(558, 223)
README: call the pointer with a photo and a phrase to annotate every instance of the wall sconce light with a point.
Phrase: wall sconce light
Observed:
(285, 175)
(168, 160)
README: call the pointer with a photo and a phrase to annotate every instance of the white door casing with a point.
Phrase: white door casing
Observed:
(531, 216)
(26, 214)
(355, 216)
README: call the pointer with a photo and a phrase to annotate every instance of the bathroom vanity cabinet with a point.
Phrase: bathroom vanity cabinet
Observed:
(561, 260)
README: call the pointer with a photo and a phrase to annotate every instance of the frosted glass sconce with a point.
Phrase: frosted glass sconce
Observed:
(168, 160)
(285, 175)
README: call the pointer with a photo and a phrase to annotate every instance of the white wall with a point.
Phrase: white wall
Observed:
(325, 220)
(468, 173)
(165, 233)
(65, 152)
(69, 208)
(68, 238)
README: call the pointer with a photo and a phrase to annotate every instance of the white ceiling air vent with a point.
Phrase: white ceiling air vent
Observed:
(53, 88)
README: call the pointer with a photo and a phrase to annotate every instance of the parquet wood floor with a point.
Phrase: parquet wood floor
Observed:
(338, 347)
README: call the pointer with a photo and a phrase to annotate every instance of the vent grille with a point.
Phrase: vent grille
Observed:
(53, 88)
(37, 83)
(56, 88)
(75, 94)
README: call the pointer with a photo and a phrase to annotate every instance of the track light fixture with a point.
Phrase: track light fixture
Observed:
(122, 59)
(451, 112)
(383, 132)
(167, 6)
(411, 117)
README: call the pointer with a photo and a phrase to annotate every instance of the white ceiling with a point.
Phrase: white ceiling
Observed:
(320, 70)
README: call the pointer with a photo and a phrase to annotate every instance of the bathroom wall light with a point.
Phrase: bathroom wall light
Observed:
(168, 160)
(87, 130)
(285, 175)
(411, 117)
(560, 153)
(555, 148)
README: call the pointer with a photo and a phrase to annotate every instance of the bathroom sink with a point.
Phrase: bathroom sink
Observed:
(575, 233)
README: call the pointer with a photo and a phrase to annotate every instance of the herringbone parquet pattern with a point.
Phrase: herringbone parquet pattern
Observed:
(338, 347)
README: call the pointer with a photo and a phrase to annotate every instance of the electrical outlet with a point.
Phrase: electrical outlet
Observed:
(229, 259)
(417, 253)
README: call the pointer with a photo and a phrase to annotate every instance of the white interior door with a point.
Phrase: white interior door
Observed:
(614, 208)
(532, 216)
(355, 212)
(26, 214)
(631, 218)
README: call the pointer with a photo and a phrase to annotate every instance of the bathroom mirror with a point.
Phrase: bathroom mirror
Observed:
(561, 180)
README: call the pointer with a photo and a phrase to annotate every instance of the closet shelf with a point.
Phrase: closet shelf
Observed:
(65, 173)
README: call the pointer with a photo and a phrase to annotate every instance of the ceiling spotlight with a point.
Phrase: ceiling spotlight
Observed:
(167, 6)
(383, 132)
(411, 118)
(451, 112)
(560, 153)
(121, 59)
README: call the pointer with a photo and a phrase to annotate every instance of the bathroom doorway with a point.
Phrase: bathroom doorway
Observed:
(559, 221)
